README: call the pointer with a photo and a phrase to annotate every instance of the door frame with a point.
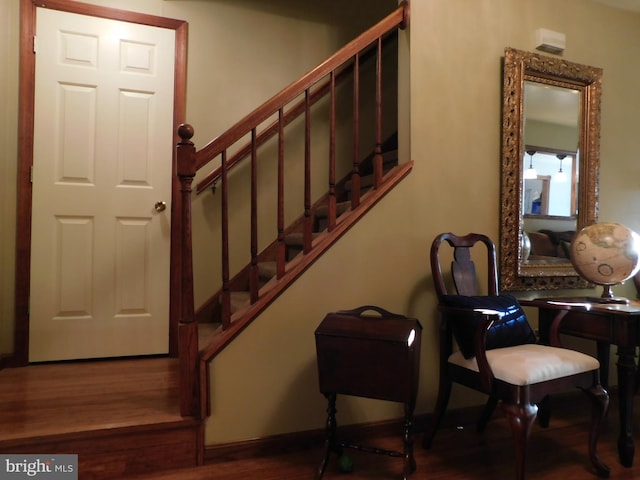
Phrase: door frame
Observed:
(27, 65)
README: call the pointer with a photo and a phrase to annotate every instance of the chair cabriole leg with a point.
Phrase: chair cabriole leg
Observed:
(521, 418)
(444, 393)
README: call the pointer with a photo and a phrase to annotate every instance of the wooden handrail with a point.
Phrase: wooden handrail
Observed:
(288, 94)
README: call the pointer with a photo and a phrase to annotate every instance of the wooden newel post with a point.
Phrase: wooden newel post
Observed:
(188, 328)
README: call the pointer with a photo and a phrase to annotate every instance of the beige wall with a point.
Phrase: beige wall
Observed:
(9, 37)
(265, 383)
(455, 96)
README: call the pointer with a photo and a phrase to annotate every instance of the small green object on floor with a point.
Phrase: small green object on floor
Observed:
(345, 464)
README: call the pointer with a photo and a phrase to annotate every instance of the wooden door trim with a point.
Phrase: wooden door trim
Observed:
(25, 156)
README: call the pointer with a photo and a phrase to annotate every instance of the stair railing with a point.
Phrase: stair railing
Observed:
(191, 160)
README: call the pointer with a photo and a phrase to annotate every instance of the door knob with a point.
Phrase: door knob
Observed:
(160, 206)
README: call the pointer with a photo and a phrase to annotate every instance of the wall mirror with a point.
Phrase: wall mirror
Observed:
(549, 167)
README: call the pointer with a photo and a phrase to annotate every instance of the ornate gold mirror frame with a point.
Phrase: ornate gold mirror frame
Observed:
(516, 272)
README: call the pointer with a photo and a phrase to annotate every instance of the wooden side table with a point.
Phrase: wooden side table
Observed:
(373, 356)
(606, 324)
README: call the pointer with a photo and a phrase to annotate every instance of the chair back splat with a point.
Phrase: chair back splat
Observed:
(498, 354)
(463, 268)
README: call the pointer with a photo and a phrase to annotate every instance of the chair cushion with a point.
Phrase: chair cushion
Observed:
(512, 328)
(531, 363)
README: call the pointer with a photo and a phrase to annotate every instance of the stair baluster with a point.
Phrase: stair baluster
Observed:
(332, 155)
(355, 174)
(254, 278)
(377, 160)
(308, 219)
(282, 250)
(226, 290)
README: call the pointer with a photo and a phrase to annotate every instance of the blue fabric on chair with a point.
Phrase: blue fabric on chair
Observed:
(512, 328)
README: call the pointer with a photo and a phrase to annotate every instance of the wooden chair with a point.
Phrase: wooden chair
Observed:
(497, 351)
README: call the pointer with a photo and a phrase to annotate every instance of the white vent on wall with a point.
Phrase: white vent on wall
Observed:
(550, 41)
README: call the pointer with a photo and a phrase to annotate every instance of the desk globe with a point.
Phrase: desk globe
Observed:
(606, 254)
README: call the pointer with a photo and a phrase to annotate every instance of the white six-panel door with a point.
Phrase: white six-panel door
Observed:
(102, 161)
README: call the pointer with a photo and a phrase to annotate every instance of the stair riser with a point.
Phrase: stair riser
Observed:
(110, 455)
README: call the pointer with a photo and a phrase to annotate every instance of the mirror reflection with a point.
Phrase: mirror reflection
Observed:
(551, 135)
(549, 206)
(551, 122)
(550, 184)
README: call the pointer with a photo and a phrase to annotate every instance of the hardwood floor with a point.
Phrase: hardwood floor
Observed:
(118, 416)
(88, 393)
(52, 404)
(558, 452)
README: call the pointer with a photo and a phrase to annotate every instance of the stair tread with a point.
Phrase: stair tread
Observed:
(239, 300)
(100, 421)
(323, 210)
(267, 269)
(389, 157)
(366, 181)
(62, 384)
(296, 239)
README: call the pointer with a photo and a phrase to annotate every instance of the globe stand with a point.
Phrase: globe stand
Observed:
(608, 297)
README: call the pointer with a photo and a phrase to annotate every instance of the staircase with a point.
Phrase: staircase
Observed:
(212, 336)
(353, 185)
